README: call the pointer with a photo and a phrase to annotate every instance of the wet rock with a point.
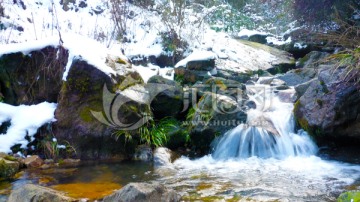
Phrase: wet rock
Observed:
(168, 97)
(312, 59)
(330, 106)
(298, 76)
(36, 193)
(162, 157)
(264, 123)
(143, 153)
(33, 161)
(70, 162)
(8, 168)
(301, 88)
(141, 192)
(215, 114)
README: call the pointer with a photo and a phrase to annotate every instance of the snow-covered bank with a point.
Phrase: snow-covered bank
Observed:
(25, 121)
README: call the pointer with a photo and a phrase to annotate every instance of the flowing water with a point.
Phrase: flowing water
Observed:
(251, 163)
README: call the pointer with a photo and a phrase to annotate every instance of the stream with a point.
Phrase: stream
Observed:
(248, 164)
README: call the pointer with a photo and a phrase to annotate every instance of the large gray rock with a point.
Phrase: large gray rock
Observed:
(312, 59)
(257, 57)
(35, 193)
(143, 192)
(298, 76)
(330, 105)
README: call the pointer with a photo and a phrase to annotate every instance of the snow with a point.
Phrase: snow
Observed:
(197, 55)
(277, 41)
(25, 121)
(300, 46)
(151, 70)
(248, 33)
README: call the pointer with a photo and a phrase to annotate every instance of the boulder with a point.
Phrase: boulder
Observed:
(35, 193)
(84, 112)
(32, 78)
(330, 106)
(192, 76)
(142, 192)
(8, 168)
(263, 57)
(312, 59)
(298, 76)
(143, 153)
(33, 161)
(167, 97)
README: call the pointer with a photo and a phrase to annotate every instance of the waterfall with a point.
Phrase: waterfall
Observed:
(256, 139)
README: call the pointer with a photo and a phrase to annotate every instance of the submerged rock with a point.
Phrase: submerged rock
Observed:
(143, 153)
(142, 192)
(35, 193)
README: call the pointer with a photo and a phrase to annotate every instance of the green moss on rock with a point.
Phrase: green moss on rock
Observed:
(350, 196)
(8, 169)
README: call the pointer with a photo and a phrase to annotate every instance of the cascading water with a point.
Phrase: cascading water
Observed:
(263, 160)
(247, 140)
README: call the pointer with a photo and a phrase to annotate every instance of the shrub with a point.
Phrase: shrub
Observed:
(119, 12)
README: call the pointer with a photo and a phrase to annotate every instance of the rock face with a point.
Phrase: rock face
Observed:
(88, 90)
(36, 193)
(26, 79)
(330, 106)
(168, 102)
(142, 192)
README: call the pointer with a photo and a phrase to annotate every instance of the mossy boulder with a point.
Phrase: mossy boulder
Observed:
(350, 196)
(167, 97)
(8, 168)
(32, 78)
(88, 90)
(330, 108)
